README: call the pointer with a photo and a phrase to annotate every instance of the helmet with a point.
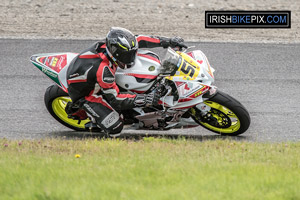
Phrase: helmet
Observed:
(121, 46)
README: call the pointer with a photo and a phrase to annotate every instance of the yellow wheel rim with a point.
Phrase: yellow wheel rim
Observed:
(235, 122)
(58, 105)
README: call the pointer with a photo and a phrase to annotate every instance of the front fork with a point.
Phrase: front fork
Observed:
(202, 110)
(202, 107)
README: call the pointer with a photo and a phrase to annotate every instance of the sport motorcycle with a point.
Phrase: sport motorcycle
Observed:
(184, 79)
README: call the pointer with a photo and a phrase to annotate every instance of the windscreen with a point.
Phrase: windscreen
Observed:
(171, 62)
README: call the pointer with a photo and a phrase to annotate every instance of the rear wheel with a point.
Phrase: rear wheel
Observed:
(56, 100)
(226, 117)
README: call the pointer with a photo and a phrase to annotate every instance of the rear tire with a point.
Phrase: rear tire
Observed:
(56, 100)
(230, 116)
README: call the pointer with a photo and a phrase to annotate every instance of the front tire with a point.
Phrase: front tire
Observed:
(56, 100)
(226, 117)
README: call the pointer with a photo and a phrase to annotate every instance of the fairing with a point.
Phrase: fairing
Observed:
(55, 66)
(186, 76)
(192, 76)
(141, 76)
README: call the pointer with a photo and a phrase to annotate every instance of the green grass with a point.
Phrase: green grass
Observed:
(148, 169)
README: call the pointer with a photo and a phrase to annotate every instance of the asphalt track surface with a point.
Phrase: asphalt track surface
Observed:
(265, 78)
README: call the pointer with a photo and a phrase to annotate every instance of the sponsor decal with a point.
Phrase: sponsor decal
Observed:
(53, 62)
(198, 93)
(109, 79)
(52, 75)
(62, 61)
(151, 68)
(56, 63)
(49, 73)
(110, 119)
(90, 110)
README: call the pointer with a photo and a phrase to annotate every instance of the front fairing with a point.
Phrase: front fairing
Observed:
(191, 77)
(183, 67)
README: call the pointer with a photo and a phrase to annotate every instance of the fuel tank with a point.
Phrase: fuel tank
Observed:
(141, 76)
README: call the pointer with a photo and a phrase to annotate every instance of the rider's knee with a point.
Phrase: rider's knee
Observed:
(112, 123)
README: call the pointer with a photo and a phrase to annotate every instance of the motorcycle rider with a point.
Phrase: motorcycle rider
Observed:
(92, 83)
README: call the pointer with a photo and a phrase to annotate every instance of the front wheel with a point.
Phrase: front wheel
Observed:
(227, 116)
(56, 101)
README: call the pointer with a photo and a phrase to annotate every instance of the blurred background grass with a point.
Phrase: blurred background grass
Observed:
(150, 168)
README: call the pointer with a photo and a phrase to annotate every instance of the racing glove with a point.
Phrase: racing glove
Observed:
(150, 99)
(174, 42)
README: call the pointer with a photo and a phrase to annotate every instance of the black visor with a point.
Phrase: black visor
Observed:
(127, 57)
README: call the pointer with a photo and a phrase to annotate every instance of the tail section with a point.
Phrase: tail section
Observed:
(54, 66)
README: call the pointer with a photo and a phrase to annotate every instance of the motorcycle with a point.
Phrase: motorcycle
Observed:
(184, 78)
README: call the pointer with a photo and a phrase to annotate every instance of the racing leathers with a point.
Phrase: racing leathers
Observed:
(91, 84)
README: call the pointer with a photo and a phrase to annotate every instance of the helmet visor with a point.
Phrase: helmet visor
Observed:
(127, 57)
